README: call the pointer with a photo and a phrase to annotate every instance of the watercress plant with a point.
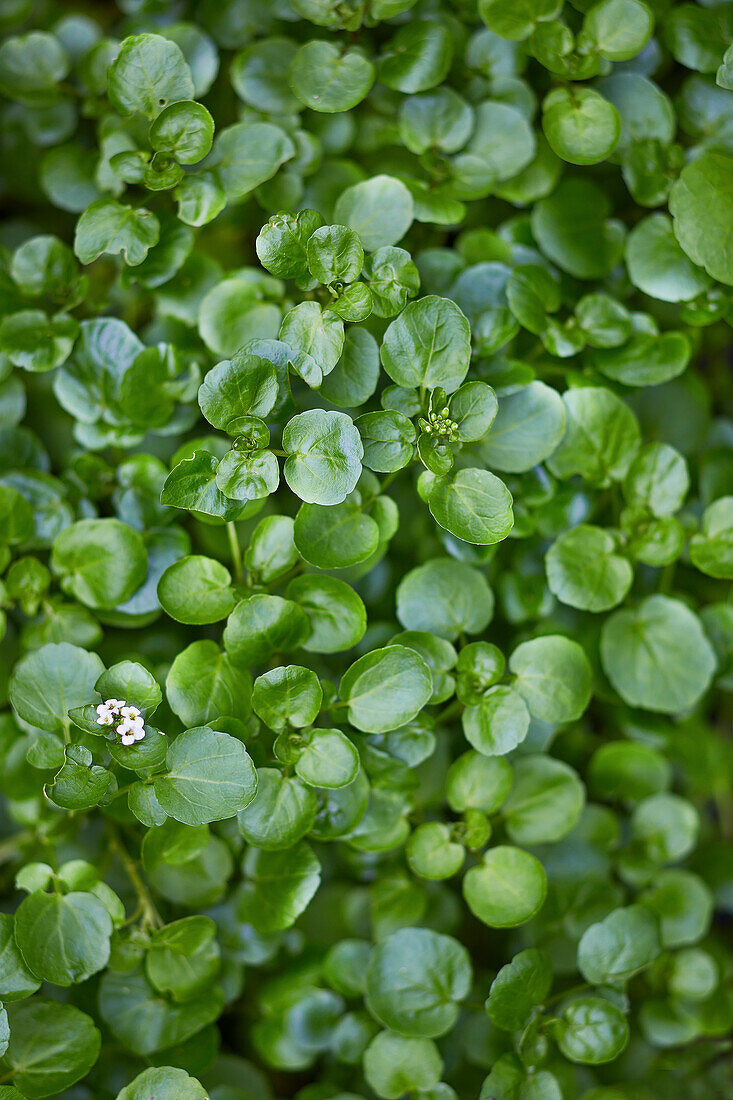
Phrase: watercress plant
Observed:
(366, 538)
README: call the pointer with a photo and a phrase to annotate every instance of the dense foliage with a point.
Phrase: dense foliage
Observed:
(366, 538)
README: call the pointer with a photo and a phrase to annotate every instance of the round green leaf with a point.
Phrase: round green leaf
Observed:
(51, 1046)
(185, 130)
(324, 456)
(386, 688)
(196, 589)
(701, 203)
(583, 570)
(498, 723)
(164, 1083)
(336, 613)
(209, 777)
(428, 345)
(102, 562)
(580, 125)
(657, 656)
(474, 505)
(380, 210)
(414, 979)
(63, 939)
(508, 888)
(553, 676)
(592, 1031)
(328, 79)
(51, 681)
(148, 73)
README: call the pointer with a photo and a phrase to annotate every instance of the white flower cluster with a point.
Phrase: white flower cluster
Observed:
(131, 727)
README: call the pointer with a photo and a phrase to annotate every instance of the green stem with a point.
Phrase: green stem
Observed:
(146, 906)
(451, 711)
(236, 551)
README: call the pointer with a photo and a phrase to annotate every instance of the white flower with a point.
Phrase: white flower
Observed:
(105, 717)
(131, 728)
(129, 712)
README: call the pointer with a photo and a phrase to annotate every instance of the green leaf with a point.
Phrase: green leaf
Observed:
(580, 125)
(261, 625)
(51, 681)
(700, 203)
(657, 656)
(417, 57)
(143, 1021)
(516, 21)
(712, 549)
(414, 979)
(183, 958)
(247, 154)
(591, 1031)
(336, 613)
(395, 1065)
(518, 987)
(658, 479)
(248, 475)
(478, 782)
(683, 905)
(545, 802)
(196, 589)
(334, 253)
(63, 939)
(164, 1083)
(498, 723)
(474, 505)
(36, 342)
(51, 1046)
(572, 228)
(287, 695)
(328, 79)
(617, 29)
(16, 980)
(445, 597)
(429, 345)
(508, 888)
(148, 73)
(204, 684)
(666, 826)
(601, 437)
(584, 571)
(279, 886)
(316, 337)
(529, 425)
(380, 210)
(210, 777)
(101, 562)
(246, 385)
(386, 688)
(658, 266)
(132, 682)
(324, 456)
(79, 785)
(553, 676)
(110, 227)
(337, 536)
(618, 947)
(328, 760)
(185, 130)
(431, 853)
(31, 67)
(192, 485)
(282, 812)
